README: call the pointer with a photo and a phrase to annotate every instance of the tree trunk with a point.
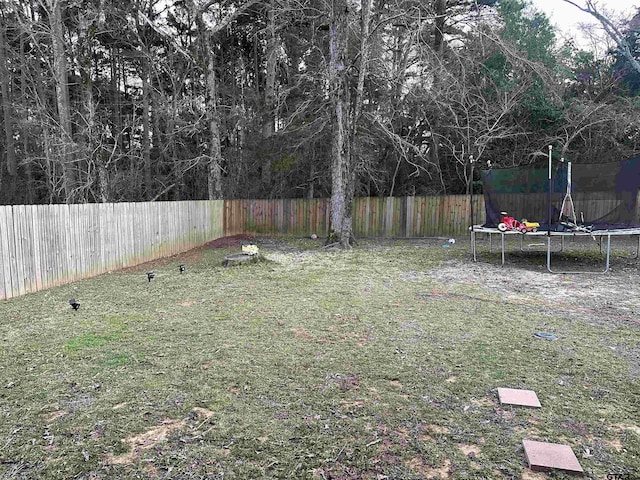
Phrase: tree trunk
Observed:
(268, 126)
(116, 116)
(438, 29)
(146, 143)
(6, 109)
(62, 99)
(25, 137)
(214, 172)
(214, 164)
(341, 227)
(88, 134)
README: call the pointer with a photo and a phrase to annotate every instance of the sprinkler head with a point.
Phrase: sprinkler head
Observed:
(150, 275)
(75, 305)
(181, 268)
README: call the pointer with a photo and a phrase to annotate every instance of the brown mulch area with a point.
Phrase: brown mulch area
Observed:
(191, 256)
(231, 241)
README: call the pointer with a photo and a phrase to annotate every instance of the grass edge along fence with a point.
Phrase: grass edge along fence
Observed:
(42, 246)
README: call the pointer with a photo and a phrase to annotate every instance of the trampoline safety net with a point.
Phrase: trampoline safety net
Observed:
(604, 196)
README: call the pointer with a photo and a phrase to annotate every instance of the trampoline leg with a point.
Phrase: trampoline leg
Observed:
(562, 244)
(600, 244)
(521, 243)
(606, 266)
(502, 234)
(473, 244)
(490, 244)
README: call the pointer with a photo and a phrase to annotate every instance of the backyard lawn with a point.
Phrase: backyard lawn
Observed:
(380, 362)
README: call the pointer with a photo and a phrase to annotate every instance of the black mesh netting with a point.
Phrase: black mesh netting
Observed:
(604, 195)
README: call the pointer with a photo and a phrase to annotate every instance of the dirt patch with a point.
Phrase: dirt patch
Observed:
(626, 426)
(470, 451)
(482, 402)
(301, 333)
(53, 416)
(151, 471)
(594, 298)
(417, 464)
(192, 256)
(616, 444)
(529, 475)
(436, 429)
(189, 257)
(145, 441)
(202, 413)
(352, 405)
(230, 241)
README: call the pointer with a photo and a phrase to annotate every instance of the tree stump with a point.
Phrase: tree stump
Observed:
(238, 259)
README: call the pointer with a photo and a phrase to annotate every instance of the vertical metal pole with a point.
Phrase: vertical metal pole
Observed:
(549, 214)
(473, 244)
(606, 269)
(502, 234)
(471, 187)
(473, 240)
(549, 195)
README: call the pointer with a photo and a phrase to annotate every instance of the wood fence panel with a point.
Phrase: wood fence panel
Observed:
(28, 242)
(21, 260)
(48, 245)
(76, 245)
(36, 239)
(6, 289)
(45, 244)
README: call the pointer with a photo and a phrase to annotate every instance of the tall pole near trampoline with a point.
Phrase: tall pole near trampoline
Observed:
(549, 211)
(470, 187)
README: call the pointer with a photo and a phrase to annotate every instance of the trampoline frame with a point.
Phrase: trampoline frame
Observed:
(597, 233)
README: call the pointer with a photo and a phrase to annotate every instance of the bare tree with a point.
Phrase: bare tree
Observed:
(610, 28)
(6, 104)
(62, 96)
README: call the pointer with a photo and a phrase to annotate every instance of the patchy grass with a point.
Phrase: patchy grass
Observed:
(381, 362)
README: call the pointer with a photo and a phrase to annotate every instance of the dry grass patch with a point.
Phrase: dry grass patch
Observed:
(530, 475)
(302, 333)
(628, 427)
(418, 465)
(470, 451)
(144, 441)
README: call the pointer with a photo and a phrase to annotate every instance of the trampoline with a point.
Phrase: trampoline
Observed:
(550, 196)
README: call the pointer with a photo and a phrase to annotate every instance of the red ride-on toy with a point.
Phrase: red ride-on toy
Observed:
(510, 223)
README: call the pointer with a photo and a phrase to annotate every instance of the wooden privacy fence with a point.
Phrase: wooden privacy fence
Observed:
(46, 245)
(372, 216)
